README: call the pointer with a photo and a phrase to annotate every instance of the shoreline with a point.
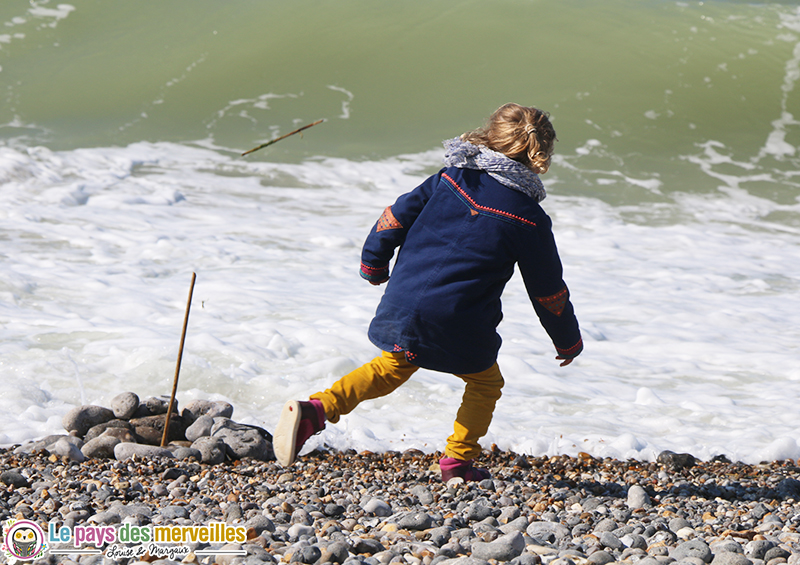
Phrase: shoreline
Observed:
(381, 508)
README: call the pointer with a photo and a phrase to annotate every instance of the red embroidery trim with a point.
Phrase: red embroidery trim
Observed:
(387, 221)
(555, 303)
(572, 351)
(373, 270)
(485, 208)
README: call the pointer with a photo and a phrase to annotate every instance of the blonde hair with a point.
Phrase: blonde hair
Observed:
(520, 133)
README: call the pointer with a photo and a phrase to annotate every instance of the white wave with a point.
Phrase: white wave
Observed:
(690, 327)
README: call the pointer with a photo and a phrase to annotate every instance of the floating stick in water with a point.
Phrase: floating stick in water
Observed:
(277, 139)
(178, 366)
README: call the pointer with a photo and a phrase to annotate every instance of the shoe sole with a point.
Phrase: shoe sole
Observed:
(284, 438)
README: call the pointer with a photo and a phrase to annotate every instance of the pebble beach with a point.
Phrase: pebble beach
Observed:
(380, 508)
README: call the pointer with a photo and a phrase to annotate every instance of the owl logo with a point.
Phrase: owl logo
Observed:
(23, 540)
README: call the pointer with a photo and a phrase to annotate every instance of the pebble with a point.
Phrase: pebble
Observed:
(82, 418)
(211, 449)
(213, 408)
(200, 428)
(504, 548)
(637, 497)
(377, 507)
(101, 446)
(124, 405)
(127, 450)
(365, 508)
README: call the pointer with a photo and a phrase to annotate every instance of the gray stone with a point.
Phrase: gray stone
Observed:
(508, 514)
(260, 524)
(776, 552)
(789, 488)
(100, 429)
(676, 461)
(81, 418)
(527, 559)
(760, 510)
(367, 545)
(100, 447)
(517, 525)
(757, 549)
(181, 452)
(308, 554)
(377, 507)
(150, 429)
(124, 451)
(605, 525)
(122, 434)
(634, 541)
(301, 516)
(106, 518)
(439, 536)
(173, 512)
(228, 559)
(637, 497)
(504, 548)
(679, 523)
(696, 548)
(478, 511)
(611, 541)
(547, 531)
(666, 536)
(415, 521)
(601, 558)
(727, 545)
(297, 530)
(44, 443)
(423, 494)
(335, 552)
(157, 405)
(69, 450)
(14, 479)
(213, 408)
(212, 449)
(242, 440)
(200, 428)
(464, 561)
(124, 405)
(730, 558)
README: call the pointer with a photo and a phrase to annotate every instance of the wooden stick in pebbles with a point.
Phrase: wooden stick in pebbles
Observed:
(178, 365)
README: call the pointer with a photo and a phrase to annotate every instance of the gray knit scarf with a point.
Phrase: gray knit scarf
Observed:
(513, 174)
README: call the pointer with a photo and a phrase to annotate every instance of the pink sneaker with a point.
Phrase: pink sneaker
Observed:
(452, 467)
(299, 421)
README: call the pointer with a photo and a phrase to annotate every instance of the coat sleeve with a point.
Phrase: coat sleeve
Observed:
(390, 231)
(541, 270)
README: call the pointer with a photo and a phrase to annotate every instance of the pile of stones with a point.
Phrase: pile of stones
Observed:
(130, 427)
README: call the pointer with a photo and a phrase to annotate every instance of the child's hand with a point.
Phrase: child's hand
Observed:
(566, 360)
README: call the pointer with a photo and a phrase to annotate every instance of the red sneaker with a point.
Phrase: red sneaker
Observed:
(299, 421)
(452, 467)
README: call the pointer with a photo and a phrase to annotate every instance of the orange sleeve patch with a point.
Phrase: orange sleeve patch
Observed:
(555, 303)
(387, 221)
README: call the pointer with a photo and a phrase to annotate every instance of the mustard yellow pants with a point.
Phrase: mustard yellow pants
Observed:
(384, 374)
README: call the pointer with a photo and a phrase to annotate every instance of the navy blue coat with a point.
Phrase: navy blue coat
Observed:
(460, 235)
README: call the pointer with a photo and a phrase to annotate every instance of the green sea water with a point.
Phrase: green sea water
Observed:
(648, 97)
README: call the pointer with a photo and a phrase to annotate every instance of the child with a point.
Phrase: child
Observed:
(460, 234)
